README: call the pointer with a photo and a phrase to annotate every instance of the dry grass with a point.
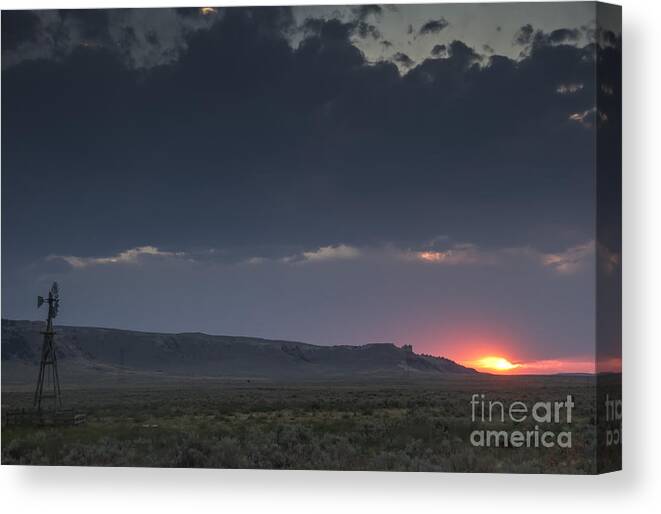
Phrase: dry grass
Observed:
(366, 426)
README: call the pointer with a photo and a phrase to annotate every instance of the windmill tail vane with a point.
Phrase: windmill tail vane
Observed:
(48, 381)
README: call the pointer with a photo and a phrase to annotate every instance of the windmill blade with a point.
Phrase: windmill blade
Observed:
(55, 290)
(40, 301)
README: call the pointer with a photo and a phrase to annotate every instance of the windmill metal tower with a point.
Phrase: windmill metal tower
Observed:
(48, 367)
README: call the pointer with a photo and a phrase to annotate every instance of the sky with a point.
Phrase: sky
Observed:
(336, 175)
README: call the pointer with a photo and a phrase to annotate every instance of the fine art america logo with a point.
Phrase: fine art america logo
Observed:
(500, 416)
(613, 421)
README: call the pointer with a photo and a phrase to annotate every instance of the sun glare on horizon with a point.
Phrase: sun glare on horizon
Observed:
(494, 363)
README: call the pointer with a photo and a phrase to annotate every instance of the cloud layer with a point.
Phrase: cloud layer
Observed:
(566, 262)
(130, 256)
(265, 126)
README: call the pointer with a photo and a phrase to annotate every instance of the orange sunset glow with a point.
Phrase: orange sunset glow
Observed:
(506, 366)
(493, 363)
(490, 347)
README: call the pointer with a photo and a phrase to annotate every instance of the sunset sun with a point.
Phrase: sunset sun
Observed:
(494, 363)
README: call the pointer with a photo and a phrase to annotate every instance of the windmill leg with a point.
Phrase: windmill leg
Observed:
(56, 380)
(40, 379)
(37, 392)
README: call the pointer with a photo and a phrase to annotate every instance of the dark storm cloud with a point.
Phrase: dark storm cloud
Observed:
(527, 36)
(564, 35)
(458, 56)
(524, 35)
(130, 33)
(609, 194)
(363, 11)
(188, 12)
(434, 26)
(610, 38)
(439, 51)
(216, 148)
(365, 30)
(339, 30)
(152, 38)
(92, 24)
(18, 27)
(463, 54)
(403, 59)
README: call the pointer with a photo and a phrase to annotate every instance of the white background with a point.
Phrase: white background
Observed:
(636, 489)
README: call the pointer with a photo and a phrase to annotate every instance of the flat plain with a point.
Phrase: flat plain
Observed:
(398, 425)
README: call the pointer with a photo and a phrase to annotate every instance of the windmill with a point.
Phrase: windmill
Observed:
(48, 367)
